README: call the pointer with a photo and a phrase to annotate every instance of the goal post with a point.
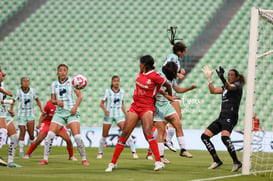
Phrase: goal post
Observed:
(253, 56)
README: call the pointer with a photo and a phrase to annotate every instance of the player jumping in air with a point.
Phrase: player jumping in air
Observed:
(46, 118)
(147, 85)
(179, 51)
(165, 111)
(25, 97)
(231, 97)
(114, 112)
(62, 95)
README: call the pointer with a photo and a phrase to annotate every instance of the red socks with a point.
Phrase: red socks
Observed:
(70, 151)
(31, 149)
(154, 147)
(119, 147)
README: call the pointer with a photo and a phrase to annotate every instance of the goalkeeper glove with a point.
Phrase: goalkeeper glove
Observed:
(208, 72)
(220, 74)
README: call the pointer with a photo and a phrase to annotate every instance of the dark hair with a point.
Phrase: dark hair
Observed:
(179, 46)
(170, 70)
(242, 78)
(22, 78)
(148, 62)
(62, 65)
(114, 76)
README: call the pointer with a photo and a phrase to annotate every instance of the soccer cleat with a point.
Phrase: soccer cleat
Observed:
(149, 157)
(110, 167)
(236, 167)
(215, 165)
(185, 153)
(84, 162)
(43, 162)
(26, 156)
(135, 156)
(2, 162)
(13, 165)
(21, 154)
(158, 166)
(169, 145)
(165, 160)
(99, 156)
(72, 158)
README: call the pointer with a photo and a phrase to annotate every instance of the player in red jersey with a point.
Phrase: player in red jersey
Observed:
(256, 124)
(46, 118)
(147, 85)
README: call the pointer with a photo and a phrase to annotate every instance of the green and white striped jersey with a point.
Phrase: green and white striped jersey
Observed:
(160, 97)
(173, 58)
(65, 93)
(25, 102)
(114, 102)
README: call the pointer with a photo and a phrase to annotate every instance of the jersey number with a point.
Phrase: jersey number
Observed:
(62, 92)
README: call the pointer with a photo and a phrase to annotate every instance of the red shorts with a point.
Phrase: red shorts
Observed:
(45, 129)
(140, 110)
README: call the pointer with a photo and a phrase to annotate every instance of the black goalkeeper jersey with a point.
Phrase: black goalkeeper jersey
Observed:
(231, 99)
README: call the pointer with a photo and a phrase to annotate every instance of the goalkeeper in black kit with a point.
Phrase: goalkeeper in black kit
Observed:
(231, 97)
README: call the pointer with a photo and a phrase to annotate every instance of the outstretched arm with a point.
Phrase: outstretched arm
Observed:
(182, 89)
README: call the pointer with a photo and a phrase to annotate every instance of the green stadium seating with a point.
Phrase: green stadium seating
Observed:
(106, 37)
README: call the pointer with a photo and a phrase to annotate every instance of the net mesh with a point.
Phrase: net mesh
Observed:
(262, 140)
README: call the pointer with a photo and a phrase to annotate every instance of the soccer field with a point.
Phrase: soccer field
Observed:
(60, 168)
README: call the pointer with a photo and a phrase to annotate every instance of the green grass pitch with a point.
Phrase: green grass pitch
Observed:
(60, 168)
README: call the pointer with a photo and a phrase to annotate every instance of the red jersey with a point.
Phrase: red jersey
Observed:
(147, 86)
(49, 109)
(256, 124)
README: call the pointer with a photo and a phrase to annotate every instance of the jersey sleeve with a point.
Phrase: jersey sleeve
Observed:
(105, 95)
(16, 96)
(35, 94)
(53, 88)
(159, 79)
(238, 85)
(46, 108)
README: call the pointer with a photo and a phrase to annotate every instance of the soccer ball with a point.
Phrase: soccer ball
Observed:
(79, 81)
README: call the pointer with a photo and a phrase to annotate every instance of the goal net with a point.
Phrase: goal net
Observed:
(258, 131)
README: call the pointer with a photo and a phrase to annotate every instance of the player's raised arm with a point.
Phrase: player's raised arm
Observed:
(208, 73)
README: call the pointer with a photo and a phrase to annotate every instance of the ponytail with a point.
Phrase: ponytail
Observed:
(179, 46)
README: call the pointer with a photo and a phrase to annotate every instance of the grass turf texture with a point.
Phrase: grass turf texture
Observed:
(60, 168)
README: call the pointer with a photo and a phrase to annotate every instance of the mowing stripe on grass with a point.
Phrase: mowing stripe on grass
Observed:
(220, 177)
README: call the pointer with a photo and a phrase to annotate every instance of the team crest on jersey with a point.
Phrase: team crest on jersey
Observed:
(148, 81)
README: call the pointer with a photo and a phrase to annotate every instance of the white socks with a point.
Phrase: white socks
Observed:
(21, 145)
(101, 144)
(48, 144)
(3, 136)
(161, 149)
(81, 149)
(170, 133)
(181, 142)
(12, 147)
(130, 142)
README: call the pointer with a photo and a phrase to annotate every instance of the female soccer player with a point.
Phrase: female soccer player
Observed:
(147, 85)
(165, 111)
(25, 97)
(179, 51)
(227, 120)
(114, 111)
(3, 114)
(62, 95)
(46, 118)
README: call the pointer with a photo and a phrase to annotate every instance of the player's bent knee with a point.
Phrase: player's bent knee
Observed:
(204, 137)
